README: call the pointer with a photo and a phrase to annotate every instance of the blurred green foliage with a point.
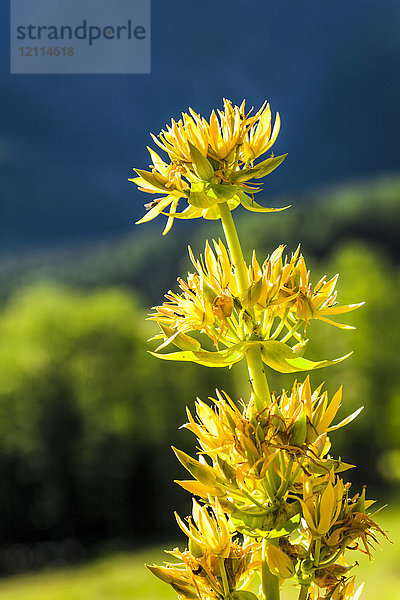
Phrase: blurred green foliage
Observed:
(87, 416)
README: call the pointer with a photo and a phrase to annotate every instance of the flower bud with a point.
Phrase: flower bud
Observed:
(202, 473)
(299, 430)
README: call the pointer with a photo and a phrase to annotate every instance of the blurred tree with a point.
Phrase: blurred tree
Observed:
(85, 415)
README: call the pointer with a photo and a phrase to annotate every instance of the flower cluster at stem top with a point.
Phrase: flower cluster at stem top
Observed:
(211, 162)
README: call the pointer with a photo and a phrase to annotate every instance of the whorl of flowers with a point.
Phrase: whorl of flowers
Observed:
(210, 162)
(272, 474)
(273, 310)
(214, 565)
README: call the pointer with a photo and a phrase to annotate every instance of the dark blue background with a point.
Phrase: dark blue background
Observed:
(68, 143)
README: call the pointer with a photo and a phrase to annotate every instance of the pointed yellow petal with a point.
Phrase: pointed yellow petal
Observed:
(347, 420)
(326, 509)
(330, 412)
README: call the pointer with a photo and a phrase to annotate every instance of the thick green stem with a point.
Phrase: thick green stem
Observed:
(258, 378)
(224, 576)
(269, 582)
(317, 551)
(235, 248)
(303, 593)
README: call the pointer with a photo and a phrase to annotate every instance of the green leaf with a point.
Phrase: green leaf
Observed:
(303, 364)
(285, 528)
(201, 163)
(253, 206)
(298, 432)
(243, 595)
(221, 358)
(267, 166)
(181, 340)
(156, 210)
(155, 179)
(220, 192)
(198, 196)
(327, 464)
(259, 171)
(250, 296)
(184, 592)
(285, 359)
(191, 212)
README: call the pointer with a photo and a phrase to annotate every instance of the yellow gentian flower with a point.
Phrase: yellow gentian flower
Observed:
(209, 531)
(321, 510)
(211, 161)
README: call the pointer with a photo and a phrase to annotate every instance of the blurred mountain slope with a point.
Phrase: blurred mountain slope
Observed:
(68, 143)
(144, 260)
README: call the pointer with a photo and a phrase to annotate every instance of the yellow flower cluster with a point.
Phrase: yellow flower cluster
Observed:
(257, 458)
(211, 161)
(233, 130)
(214, 565)
(276, 307)
(271, 472)
(283, 286)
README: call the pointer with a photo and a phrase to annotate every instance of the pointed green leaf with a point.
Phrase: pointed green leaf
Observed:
(156, 210)
(250, 296)
(181, 340)
(221, 358)
(285, 359)
(322, 466)
(298, 433)
(302, 364)
(184, 592)
(220, 192)
(253, 206)
(259, 171)
(267, 166)
(201, 163)
(243, 595)
(191, 212)
(285, 528)
(156, 180)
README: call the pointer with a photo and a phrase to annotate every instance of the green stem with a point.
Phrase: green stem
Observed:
(255, 365)
(303, 592)
(334, 558)
(258, 379)
(317, 551)
(269, 582)
(235, 248)
(224, 576)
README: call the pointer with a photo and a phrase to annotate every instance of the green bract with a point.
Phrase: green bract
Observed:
(276, 355)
